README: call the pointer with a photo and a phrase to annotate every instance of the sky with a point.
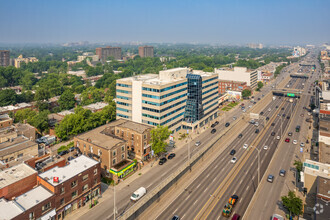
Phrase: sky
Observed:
(272, 22)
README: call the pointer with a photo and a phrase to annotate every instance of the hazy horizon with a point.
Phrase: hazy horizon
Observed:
(200, 22)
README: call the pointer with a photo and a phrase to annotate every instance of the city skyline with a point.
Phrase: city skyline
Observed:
(210, 22)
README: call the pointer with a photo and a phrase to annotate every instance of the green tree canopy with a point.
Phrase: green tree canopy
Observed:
(7, 97)
(158, 136)
(67, 100)
(292, 203)
(299, 165)
(246, 93)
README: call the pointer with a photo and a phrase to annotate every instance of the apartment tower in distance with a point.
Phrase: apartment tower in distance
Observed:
(4, 58)
(105, 52)
(146, 51)
(178, 98)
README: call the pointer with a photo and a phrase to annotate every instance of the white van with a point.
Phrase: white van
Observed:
(138, 194)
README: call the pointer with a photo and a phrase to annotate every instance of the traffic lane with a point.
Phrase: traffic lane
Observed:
(221, 161)
(272, 143)
(278, 184)
(208, 176)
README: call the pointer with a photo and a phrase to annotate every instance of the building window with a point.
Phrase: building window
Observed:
(132, 136)
(95, 171)
(85, 187)
(78, 144)
(122, 148)
(74, 194)
(85, 177)
(145, 144)
(113, 161)
(31, 215)
(20, 155)
(62, 190)
(145, 136)
(62, 201)
(114, 153)
(46, 207)
(74, 183)
(91, 149)
(117, 131)
(123, 156)
(99, 152)
(122, 134)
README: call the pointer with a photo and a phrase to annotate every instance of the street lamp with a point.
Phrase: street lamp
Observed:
(258, 150)
(114, 201)
(188, 150)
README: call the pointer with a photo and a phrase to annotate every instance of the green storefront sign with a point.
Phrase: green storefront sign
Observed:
(290, 94)
(124, 171)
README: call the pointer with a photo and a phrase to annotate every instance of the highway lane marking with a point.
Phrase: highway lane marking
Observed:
(241, 199)
(187, 197)
(219, 217)
(205, 189)
(248, 187)
(240, 182)
(183, 216)
(175, 211)
(149, 185)
(222, 169)
(207, 175)
(222, 159)
(216, 166)
(198, 185)
(195, 201)
(214, 179)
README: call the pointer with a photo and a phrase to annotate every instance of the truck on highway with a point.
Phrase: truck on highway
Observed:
(274, 97)
(291, 100)
(227, 210)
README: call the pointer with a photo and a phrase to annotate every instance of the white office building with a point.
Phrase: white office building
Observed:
(239, 74)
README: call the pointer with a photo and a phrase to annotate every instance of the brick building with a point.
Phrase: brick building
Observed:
(38, 203)
(146, 51)
(17, 180)
(225, 85)
(74, 185)
(4, 58)
(105, 52)
(5, 121)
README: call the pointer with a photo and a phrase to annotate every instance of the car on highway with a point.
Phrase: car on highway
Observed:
(244, 110)
(276, 106)
(240, 135)
(216, 122)
(233, 160)
(258, 98)
(282, 172)
(269, 109)
(256, 124)
(197, 143)
(175, 217)
(302, 144)
(227, 124)
(273, 124)
(138, 194)
(290, 133)
(287, 140)
(236, 217)
(273, 133)
(245, 146)
(302, 115)
(213, 125)
(234, 118)
(267, 118)
(261, 113)
(278, 137)
(257, 131)
(171, 156)
(162, 161)
(250, 106)
(288, 117)
(294, 142)
(265, 147)
(283, 115)
(282, 108)
(232, 152)
(213, 131)
(270, 178)
(279, 115)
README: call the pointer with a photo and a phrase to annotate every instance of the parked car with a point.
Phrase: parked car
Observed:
(216, 122)
(197, 143)
(302, 144)
(294, 142)
(70, 158)
(213, 131)
(170, 156)
(234, 118)
(290, 133)
(162, 161)
(62, 153)
(227, 124)
(71, 149)
(232, 152)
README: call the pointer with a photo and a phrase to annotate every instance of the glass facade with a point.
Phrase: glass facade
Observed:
(194, 107)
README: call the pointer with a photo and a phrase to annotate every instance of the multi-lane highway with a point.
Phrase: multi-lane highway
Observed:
(207, 196)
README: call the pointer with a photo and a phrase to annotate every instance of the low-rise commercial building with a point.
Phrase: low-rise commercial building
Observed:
(241, 74)
(74, 185)
(18, 61)
(229, 85)
(16, 148)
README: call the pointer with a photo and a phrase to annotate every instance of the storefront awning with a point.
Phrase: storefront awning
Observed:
(48, 215)
(119, 173)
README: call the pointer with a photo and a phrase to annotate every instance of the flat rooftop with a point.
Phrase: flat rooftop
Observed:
(75, 167)
(14, 174)
(135, 126)
(324, 153)
(100, 139)
(16, 144)
(11, 209)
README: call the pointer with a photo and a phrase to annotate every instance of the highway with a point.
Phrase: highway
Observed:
(189, 203)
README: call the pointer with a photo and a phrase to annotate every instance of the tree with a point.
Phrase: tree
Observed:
(158, 137)
(7, 97)
(260, 84)
(292, 203)
(67, 100)
(299, 165)
(246, 93)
